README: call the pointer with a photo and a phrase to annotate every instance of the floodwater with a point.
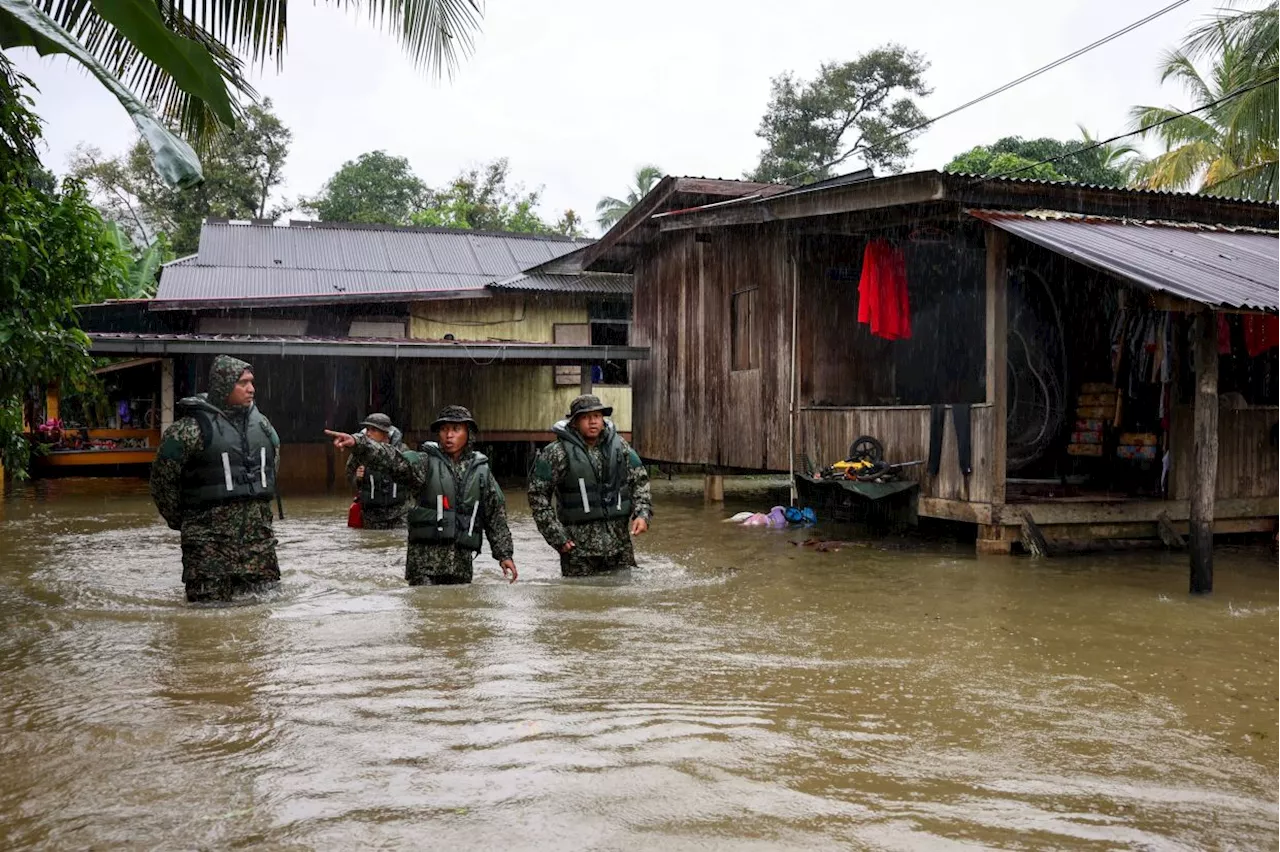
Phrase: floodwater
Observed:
(736, 692)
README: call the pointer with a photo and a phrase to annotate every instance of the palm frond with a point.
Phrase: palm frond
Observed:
(1255, 31)
(1179, 168)
(1257, 182)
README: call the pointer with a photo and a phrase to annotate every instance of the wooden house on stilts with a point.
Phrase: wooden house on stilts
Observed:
(1107, 357)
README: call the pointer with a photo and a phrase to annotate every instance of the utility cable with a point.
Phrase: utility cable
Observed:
(1007, 86)
(1237, 93)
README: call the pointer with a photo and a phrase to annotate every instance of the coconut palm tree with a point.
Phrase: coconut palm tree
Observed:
(182, 62)
(609, 209)
(1230, 148)
(1119, 158)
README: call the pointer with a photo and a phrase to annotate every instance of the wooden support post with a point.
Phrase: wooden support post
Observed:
(998, 356)
(1204, 478)
(584, 382)
(166, 393)
(51, 402)
(712, 488)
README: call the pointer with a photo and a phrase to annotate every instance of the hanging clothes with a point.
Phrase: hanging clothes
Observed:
(882, 291)
(1224, 336)
(1260, 333)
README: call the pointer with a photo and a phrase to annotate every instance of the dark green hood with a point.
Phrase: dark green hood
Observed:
(223, 375)
(563, 429)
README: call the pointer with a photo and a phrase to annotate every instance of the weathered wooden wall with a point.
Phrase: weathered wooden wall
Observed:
(503, 397)
(691, 408)
(1248, 463)
(530, 318)
(824, 435)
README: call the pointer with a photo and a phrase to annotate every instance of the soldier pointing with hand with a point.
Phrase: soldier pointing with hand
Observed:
(456, 499)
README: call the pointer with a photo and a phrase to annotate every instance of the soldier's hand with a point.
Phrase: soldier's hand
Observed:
(639, 526)
(509, 570)
(360, 472)
(341, 440)
(566, 547)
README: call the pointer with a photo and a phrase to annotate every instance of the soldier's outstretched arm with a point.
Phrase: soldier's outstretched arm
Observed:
(180, 442)
(405, 467)
(542, 485)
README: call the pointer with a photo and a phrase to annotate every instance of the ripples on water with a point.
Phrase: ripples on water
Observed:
(735, 693)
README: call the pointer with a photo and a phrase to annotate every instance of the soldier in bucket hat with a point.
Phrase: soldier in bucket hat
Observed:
(383, 502)
(589, 492)
(455, 499)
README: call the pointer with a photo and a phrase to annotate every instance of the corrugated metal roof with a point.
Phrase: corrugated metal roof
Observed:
(239, 260)
(207, 283)
(596, 283)
(1212, 265)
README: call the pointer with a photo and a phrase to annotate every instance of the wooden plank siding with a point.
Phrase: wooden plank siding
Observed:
(1248, 462)
(824, 434)
(503, 397)
(697, 409)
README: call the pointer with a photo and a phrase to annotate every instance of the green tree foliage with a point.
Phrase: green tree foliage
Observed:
(480, 199)
(140, 265)
(609, 209)
(377, 188)
(374, 188)
(243, 170)
(1106, 165)
(55, 253)
(1231, 148)
(185, 59)
(862, 108)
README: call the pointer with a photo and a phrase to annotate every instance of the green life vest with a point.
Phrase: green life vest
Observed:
(583, 496)
(449, 511)
(238, 459)
(379, 491)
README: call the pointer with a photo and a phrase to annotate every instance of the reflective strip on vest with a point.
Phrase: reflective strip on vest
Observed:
(395, 486)
(262, 463)
(373, 486)
(226, 471)
(582, 489)
(472, 526)
(439, 511)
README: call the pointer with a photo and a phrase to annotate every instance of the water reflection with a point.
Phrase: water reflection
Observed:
(736, 691)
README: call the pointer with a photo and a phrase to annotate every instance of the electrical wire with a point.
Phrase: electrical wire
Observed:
(1237, 93)
(1006, 87)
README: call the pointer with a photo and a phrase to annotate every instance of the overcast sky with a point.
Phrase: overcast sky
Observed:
(578, 94)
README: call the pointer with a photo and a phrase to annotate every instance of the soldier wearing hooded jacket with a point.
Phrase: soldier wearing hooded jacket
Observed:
(456, 499)
(213, 479)
(383, 502)
(600, 490)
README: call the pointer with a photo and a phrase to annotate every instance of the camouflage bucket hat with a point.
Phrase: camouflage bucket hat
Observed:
(586, 404)
(378, 421)
(454, 414)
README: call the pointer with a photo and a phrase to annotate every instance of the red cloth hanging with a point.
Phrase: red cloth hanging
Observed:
(1260, 333)
(882, 291)
(1224, 336)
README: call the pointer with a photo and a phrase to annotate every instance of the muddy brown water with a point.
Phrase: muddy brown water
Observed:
(736, 692)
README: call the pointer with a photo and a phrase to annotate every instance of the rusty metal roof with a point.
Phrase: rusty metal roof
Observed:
(247, 261)
(590, 283)
(1213, 265)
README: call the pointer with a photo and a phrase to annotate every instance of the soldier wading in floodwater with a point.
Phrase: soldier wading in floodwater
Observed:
(383, 502)
(601, 491)
(213, 478)
(456, 499)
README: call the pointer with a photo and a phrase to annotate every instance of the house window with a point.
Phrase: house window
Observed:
(610, 333)
(573, 334)
(608, 324)
(743, 335)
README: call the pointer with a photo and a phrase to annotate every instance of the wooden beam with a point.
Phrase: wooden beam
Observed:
(1205, 452)
(1130, 511)
(955, 510)
(998, 356)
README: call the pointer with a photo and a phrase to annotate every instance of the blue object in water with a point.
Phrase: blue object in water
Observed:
(808, 515)
(793, 515)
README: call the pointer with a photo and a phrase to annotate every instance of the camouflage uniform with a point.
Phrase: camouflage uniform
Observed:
(438, 564)
(598, 546)
(228, 548)
(380, 517)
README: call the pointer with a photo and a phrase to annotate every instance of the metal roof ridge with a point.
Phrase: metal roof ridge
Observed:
(1046, 214)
